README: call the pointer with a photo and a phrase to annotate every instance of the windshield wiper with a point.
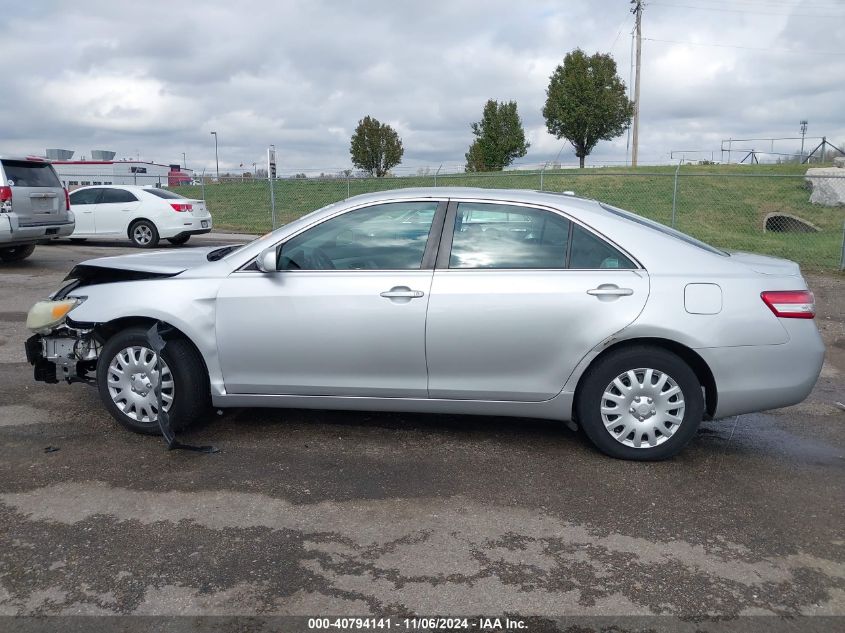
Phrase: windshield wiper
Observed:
(220, 253)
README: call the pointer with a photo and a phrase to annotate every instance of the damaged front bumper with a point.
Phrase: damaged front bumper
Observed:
(71, 351)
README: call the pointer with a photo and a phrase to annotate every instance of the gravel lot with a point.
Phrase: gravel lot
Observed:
(331, 513)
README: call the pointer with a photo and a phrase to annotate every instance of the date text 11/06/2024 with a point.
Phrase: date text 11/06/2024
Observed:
(418, 623)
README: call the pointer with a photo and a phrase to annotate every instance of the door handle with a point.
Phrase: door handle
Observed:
(401, 292)
(610, 291)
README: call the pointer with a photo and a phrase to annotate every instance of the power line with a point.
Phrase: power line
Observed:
(749, 48)
(725, 10)
(771, 3)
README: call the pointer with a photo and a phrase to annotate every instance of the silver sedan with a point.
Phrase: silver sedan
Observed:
(448, 300)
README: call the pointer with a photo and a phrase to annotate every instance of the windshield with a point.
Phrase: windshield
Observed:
(662, 228)
(167, 195)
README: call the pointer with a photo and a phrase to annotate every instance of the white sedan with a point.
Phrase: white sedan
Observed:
(143, 214)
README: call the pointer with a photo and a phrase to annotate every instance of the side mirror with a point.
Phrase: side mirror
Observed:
(267, 260)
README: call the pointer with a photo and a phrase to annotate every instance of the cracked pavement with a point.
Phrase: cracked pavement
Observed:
(336, 513)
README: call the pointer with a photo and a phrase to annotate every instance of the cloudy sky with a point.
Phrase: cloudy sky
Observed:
(154, 78)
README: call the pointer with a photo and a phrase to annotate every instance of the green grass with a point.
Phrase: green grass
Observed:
(722, 205)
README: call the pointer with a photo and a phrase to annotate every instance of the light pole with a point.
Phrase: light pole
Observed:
(803, 132)
(216, 158)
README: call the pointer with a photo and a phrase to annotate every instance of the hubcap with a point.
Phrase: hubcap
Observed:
(133, 376)
(642, 408)
(143, 234)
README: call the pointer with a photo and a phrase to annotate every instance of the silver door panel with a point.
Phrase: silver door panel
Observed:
(324, 333)
(518, 334)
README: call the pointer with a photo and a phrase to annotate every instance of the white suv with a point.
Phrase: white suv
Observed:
(33, 206)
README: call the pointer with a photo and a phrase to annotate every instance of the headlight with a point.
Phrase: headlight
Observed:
(45, 315)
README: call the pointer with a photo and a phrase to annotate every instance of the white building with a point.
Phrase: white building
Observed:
(79, 173)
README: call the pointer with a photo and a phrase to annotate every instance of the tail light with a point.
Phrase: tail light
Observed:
(5, 199)
(790, 304)
(67, 200)
(181, 207)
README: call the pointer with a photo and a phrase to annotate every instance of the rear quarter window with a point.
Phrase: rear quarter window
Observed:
(589, 251)
(167, 195)
(21, 173)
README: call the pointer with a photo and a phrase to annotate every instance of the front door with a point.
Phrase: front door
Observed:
(82, 203)
(520, 299)
(344, 314)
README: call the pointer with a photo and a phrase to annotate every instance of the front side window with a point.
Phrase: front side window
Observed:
(390, 236)
(85, 196)
(117, 195)
(506, 236)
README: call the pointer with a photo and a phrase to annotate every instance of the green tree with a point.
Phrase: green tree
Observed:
(376, 147)
(499, 138)
(586, 102)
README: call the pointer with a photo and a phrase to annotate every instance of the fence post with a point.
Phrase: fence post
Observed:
(202, 183)
(347, 186)
(273, 202)
(542, 171)
(842, 258)
(675, 192)
(437, 172)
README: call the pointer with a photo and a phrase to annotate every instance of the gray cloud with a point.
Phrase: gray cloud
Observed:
(158, 77)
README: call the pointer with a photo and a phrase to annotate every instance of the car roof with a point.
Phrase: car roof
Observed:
(26, 159)
(558, 200)
(115, 186)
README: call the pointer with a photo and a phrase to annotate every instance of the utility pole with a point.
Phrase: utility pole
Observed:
(803, 132)
(638, 14)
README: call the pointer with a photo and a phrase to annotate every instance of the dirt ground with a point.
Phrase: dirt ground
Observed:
(315, 513)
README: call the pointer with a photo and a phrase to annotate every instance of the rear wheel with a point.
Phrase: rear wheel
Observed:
(144, 234)
(129, 371)
(16, 253)
(641, 403)
(179, 240)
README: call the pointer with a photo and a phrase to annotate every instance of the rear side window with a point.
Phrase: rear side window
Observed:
(117, 195)
(588, 251)
(505, 236)
(21, 173)
(85, 196)
(161, 193)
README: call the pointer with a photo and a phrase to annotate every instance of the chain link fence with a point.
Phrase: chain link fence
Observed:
(760, 212)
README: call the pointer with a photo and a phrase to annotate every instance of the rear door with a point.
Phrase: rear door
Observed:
(114, 211)
(519, 296)
(37, 194)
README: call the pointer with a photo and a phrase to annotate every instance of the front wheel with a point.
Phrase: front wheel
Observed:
(144, 234)
(129, 371)
(641, 403)
(16, 253)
